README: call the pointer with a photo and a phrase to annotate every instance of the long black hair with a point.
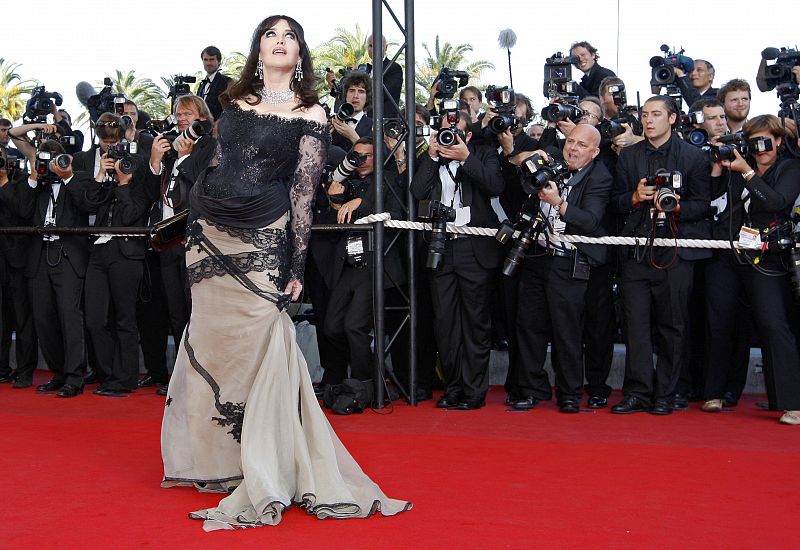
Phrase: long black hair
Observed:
(249, 83)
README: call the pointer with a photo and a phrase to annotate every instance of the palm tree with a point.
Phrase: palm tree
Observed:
(12, 88)
(147, 95)
(446, 55)
(344, 50)
(233, 63)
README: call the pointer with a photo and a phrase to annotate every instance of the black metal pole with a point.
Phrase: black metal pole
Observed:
(411, 159)
(377, 136)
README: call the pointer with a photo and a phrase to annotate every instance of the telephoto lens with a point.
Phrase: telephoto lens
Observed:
(345, 111)
(63, 161)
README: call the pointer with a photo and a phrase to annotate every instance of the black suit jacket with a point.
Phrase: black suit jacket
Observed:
(693, 221)
(393, 82)
(218, 85)
(363, 129)
(586, 208)
(13, 248)
(690, 93)
(480, 180)
(590, 84)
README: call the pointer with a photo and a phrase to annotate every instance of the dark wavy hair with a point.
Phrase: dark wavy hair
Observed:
(249, 84)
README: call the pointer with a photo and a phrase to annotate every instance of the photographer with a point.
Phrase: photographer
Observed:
(735, 97)
(761, 188)
(715, 122)
(657, 202)
(697, 84)
(142, 139)
(554, 277)
(63, 120)
(175, 165)
(349, 318)
(357, 88)
(109, 183)
(56, 265)
(611, 111)
(463, 177)
(593, 73)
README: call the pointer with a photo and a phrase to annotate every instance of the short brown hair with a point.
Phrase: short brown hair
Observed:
(735, 85)
(765, 123)
(109, 132)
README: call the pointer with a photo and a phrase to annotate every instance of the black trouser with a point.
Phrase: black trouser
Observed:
(112, 284)
(550, 310)
(18, 317)
(319, 294)
(664, 294)
(55, 293)
(163, 307)
(348, 324)
(774, 314)
(599, 329)
(510, 292)
(460, 290)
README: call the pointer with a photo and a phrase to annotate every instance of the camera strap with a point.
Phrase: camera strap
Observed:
(457, 181)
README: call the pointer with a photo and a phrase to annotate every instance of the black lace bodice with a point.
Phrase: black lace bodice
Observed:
(267, 164)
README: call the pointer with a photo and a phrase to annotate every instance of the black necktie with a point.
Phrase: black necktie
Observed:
(204, 85)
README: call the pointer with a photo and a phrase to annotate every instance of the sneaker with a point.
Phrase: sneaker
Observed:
(712, 406)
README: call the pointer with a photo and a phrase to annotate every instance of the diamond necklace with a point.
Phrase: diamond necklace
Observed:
(274, 98)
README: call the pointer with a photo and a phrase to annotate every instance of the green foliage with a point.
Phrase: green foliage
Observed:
(446, 55)
(13, 90)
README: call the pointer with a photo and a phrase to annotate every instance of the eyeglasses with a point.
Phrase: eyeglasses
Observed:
(108, 124)
(590, 115)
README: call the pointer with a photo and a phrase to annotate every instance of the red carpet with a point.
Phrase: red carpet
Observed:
(84, 473)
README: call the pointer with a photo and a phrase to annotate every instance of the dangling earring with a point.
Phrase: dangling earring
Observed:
(260, 69)
(298, 70)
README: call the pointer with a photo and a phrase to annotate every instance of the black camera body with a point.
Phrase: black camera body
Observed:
(105, 101)
(696, 136)
(668, 186)
(161, 126)
(180, 86)
(124, 151)
(40, 104)
(535, 172)
(195, 131)
(738, 142)
(504, 103)
(556, 112)
(450, 80)
(558, 75)
(779, 77)
(626, 114)
(439, 215)
(663, 68)
(530, 225)
(42, 166)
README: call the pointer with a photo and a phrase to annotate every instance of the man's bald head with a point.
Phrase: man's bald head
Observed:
(582, 146)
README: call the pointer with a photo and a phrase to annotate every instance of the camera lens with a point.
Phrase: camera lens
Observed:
(697, 137)
(345, 111)
(446, 137)
(664, 75)
(63, 161)
(666, 199)
(499, 124)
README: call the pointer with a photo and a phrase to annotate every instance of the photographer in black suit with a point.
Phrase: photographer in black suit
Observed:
(215, 82)
(56, 265)
(657, 281)
(357, 88)
(114, 192)
(554, 278)
(392, 79)
(463, 177)
(164, 304)
(697, 84)
(593, 73)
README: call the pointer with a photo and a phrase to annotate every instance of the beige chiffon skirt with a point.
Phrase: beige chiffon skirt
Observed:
(241, 414)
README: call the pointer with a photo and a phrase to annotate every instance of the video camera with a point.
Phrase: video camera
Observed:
(738, 142)
(504, 103)
(40, 104)
(626, 114)
(105, 101)
(439, 215)
(535, 172)
(450, 80)
(529, 224)
(558, 76)
(663, 71)
(778, 76)
(668, 186)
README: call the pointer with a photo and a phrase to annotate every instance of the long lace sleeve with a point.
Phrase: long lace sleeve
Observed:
(313, 150)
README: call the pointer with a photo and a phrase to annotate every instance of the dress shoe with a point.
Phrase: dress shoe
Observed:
(765, 406)
(319, 390)
(149, 381)
(729, 399)
(791, 417)
(712, 406)
(510, 398)
(597, 402)
(662, 407)
(468, 405)
(90, 378)
(629, 405)
(52, 385)
(110, 392)
(162, 390)
(6, 378)
(680, 402)
(525, 403)
(569, 406)
(501, 344)
(20, 383)
(423, 395)
(70, 390)
(447, 401)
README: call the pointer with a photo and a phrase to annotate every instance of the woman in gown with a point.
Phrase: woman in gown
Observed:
(241, 413)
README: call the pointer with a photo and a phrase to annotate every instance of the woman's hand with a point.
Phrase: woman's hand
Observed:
(294, 288)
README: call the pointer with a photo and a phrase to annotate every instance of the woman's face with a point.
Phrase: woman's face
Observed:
(280, 46)
(766, 158)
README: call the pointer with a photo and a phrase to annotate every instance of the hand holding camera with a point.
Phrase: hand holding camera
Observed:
(160, 147)
(106, 165)
(737, 164)
(456, 151)
(643, 193)
(184, 146)
(61, 166)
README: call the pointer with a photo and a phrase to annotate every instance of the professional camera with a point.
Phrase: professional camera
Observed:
(626, 114)
(42, 166)
(449, 111)
(779, 77)
(180, 86)
(195, 131)
(556, 112)
(669, 185)
(504, 104)
(345, 112)
(12, 165)
(345, 169)
(450, 80)
(663, 69)
(558, 75)
(439, 215)
(105, 101)
(738, 142)
(449, 136)
(395, 128)
(529, 225)
(535, 172)
(161, 126)
(124, 152)
(40, 104)
(696, 136)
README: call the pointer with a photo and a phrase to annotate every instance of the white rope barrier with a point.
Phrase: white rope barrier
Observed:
(620, 241)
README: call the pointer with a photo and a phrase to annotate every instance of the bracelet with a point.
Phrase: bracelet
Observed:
(748, 175)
